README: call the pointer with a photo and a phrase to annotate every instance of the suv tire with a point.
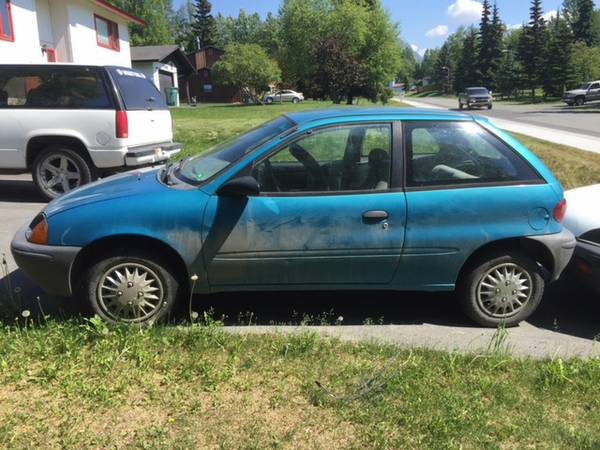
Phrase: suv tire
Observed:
(580, 101)
(57, 170)
(134, 287)
(501, 289)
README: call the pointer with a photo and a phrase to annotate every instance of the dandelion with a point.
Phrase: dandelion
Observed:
(194, 277)
(194, 315)
(340, 319)
(26, 313)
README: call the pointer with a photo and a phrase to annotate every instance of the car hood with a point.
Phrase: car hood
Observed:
(576, 92)
(583, 209)
(126, 184)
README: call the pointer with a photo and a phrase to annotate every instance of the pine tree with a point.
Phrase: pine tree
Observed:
(583, 26)
(532, 47)
(444, 72)
(485, 42)
(559, 73)
(204, 25)
(496, 46)
(467, 73)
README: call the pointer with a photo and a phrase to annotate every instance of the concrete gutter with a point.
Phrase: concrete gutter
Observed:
(576, 140)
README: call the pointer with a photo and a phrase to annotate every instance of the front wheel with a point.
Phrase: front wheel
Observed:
(269, 100)
(460, 106)
(580, 101)
(489, 106)
(501, 289)
(295, 100)
(135, 288)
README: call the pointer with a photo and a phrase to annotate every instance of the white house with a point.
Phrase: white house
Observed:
(77, 31)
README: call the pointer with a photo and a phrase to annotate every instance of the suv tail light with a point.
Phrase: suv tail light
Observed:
(560, 210)
(122, 125)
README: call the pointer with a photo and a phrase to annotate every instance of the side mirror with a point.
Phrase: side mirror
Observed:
(239, 187)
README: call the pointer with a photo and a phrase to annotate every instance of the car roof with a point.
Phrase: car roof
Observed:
(313, 115)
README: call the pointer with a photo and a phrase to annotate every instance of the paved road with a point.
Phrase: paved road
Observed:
(565, 325)
(583, 120)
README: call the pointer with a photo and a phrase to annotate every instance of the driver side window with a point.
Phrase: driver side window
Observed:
(341, 158)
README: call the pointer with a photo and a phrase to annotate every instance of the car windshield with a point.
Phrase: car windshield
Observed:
(202, 167)
(477, 91)
(585, 86)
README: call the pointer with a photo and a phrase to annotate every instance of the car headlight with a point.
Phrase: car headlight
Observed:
(38, 230)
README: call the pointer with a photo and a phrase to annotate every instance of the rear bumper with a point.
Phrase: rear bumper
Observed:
(151, 154)
(561, 246)
(48, 266)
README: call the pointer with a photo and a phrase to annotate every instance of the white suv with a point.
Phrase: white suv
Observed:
(70, 124)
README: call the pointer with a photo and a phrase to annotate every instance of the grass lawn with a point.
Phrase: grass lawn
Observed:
(83, 384)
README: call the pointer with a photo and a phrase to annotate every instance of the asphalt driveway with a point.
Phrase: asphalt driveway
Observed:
(565, 325)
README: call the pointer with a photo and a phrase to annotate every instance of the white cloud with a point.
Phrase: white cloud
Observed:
(464, 12)
(517, 26)
(550, 15)
(414, 47)
(439, 31)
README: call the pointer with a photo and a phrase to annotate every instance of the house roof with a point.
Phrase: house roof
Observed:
(118, 11)
(161, 53)
(152, 52)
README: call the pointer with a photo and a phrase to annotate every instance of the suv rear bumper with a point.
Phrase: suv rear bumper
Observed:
(151, 154)
(49, 266)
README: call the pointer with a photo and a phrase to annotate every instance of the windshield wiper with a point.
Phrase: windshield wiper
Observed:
(164, 176)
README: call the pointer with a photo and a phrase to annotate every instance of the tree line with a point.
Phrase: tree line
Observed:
(335, 49)
(542, 55)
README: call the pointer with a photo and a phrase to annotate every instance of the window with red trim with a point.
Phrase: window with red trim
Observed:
(107, 33)
(6, 28)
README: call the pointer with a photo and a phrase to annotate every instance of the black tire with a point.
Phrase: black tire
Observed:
(98, 274)
(489, 106)
(470, 289)
(580, 101)
(295, 100)
(76, 163)
(269, 100)
(460, 106)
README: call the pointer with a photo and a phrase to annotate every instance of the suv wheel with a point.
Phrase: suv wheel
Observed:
(501, 289)
(460, 105)
(490, 106)
(580, 101)
(136, 288)
(57, 171)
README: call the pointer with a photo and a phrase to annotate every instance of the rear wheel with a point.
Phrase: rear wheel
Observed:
(501, 289)
(134, 288)
(269, 100)
(57, 171)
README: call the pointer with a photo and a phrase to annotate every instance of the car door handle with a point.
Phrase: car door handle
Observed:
(375, 215)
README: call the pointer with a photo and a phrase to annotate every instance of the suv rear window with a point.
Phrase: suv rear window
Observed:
(137, 91)
(52, 87)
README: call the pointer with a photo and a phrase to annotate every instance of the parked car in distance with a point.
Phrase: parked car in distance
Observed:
(375, 198)
(583, 220)
(587, 92)
(284, 96)
(475, 97)
(69, 124)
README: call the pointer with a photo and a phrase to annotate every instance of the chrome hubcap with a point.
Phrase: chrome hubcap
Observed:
(130, 292)
(504, 290)
(59, 174)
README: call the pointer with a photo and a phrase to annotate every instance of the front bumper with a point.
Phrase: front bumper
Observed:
(49, 266)
(585, 264)
(561, 246)
(151, 154)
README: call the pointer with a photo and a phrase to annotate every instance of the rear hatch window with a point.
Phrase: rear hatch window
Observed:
(137, 91)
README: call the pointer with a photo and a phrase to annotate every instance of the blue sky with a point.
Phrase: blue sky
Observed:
(423, 23)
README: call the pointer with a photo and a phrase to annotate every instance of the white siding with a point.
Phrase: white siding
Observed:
(26, 47)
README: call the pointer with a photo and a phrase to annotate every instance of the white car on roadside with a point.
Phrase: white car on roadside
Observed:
(583, 220)
(70, 124)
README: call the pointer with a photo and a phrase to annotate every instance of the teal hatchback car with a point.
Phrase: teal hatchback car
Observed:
(378, 198)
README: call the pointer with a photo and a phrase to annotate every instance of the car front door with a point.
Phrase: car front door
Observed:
(594, 92)
(326, 215)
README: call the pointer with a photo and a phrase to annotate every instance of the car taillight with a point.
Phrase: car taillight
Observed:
(38, 230)
(122, 125)
(560, 210)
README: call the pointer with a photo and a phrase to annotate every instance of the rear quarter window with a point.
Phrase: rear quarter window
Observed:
(137, 91)
(53, 87)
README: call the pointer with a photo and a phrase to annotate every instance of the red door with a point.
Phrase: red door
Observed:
(51, 54)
